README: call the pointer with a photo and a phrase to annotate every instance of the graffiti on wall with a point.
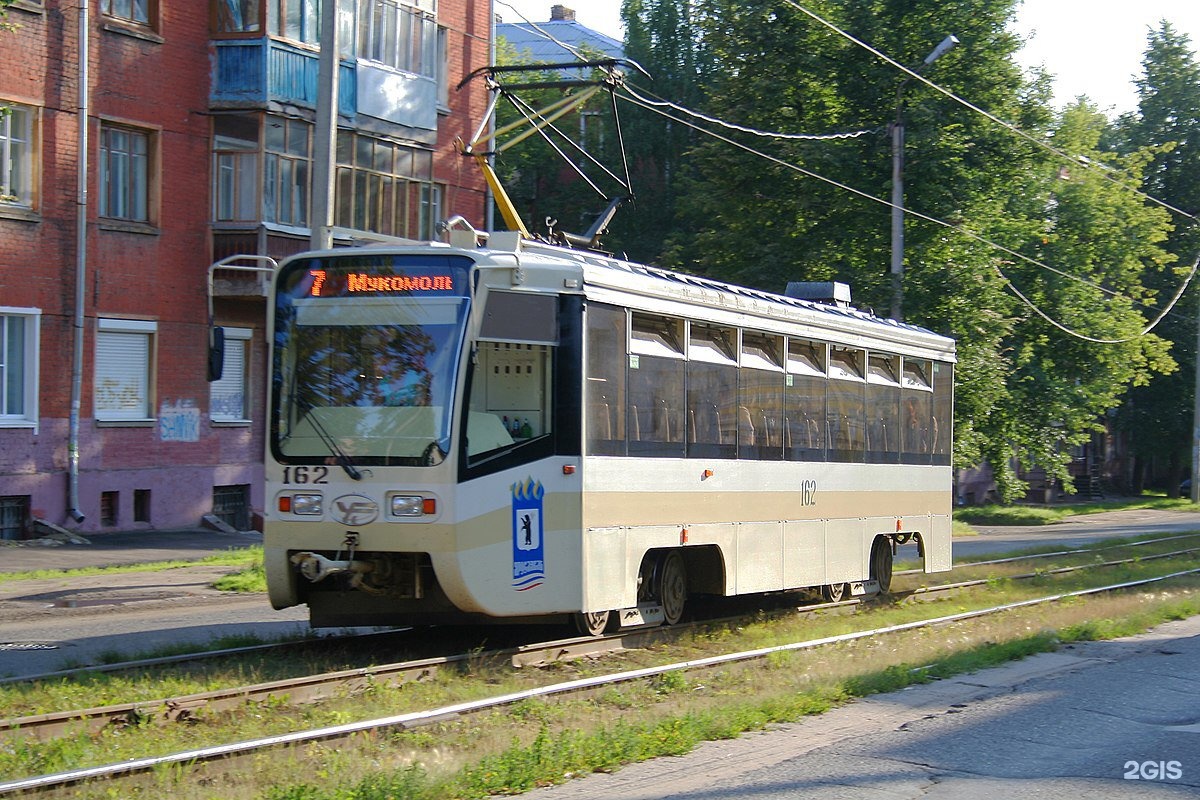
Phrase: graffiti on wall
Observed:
(179, 422)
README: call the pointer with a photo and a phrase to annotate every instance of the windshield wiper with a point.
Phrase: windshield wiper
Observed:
(339, 455)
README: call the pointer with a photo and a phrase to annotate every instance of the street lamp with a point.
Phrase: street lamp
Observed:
(898, 181)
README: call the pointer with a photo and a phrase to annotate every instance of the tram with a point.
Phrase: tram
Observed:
(521, 432)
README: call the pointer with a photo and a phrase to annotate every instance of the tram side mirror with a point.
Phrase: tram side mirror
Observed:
(216, 352)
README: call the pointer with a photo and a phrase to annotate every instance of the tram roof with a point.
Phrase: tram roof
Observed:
(657, 283)
(670, 292)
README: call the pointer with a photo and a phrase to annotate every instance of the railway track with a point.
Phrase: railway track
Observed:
(419, 718)
(324, 685)
(315, 688)
(183, 658)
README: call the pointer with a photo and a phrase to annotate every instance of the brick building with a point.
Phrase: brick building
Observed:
(198, 146)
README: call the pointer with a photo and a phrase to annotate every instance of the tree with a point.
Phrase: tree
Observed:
(538, 178)
(663, 37)
(1158, 418)
(1027, 391)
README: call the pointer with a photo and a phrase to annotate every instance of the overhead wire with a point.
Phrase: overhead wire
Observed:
(541, 31)
(756, 132)
(656, 106)
(636, 99)
(1101, 169)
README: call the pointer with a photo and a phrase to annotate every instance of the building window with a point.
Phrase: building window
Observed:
(124, 174)
(110, 502)
(124, 358)
(235, 168)
(287, 166)
(135, 11)
(228, 400)
(376, 182)
(18, 367)
(141, 505)
(443, 67)
(16, 155)
(431, 210)
(399, 36)
(298, 20)
(237, 16)
(14, 516)
(231, 504)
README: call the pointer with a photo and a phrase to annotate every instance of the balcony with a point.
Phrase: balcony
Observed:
(270, 74)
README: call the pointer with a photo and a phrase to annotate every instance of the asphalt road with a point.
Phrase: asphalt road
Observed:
(1103, 721)
(59, 623)
(1077, 531)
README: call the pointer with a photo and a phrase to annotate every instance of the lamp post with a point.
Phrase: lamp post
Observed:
(898, 181)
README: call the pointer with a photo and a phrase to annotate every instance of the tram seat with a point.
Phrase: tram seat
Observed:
(704, 425)
(813, 430)
(746, 432)
(663, 426)
(600, 420)
(877, 436)
(770, 432)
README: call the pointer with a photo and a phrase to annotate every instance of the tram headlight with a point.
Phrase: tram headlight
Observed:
(307, 505)
(407, 505)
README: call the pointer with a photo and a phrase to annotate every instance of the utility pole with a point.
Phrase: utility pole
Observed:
(325, 136)
(898, 181)
(1196, 422)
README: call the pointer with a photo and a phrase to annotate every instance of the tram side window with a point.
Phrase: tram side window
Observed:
(883, 407)
(760, 398)
(916, 412)
(943, 412)
(655, 417)
(711, 392)
(804, 432)
(604, 397)
(846, 418)
(512, 382)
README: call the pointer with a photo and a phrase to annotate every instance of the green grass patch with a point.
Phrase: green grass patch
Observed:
(249, 580)
(245, 557)
(557, 756)
(538, 742)
(1045, 515)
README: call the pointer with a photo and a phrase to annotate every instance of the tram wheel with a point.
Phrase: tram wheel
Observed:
(833, 593)
(592, 623)
(672, 587)
(881, 563)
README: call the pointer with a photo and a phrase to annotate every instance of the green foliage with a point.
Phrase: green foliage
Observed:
(233, 557)
(1167, 125)
(1027, 391)
(250, 580)
(1043, 515)
(537, 173)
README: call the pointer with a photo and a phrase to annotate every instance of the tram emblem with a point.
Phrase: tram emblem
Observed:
(529, 561)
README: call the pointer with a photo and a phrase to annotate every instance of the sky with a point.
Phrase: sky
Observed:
(1092, 47)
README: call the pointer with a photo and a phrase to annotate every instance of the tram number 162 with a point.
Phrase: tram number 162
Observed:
(306, 475)
(808, 493)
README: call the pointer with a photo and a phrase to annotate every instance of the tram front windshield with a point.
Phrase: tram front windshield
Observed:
(365, 360)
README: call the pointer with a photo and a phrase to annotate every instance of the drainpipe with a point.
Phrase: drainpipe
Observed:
(80, 274)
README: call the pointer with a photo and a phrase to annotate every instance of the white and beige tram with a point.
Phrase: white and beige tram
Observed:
(523, 432)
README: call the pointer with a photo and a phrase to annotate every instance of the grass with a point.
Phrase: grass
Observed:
(251, 579)
(1045, 515)
(585, 736)
(240, 557)
(538, 742)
